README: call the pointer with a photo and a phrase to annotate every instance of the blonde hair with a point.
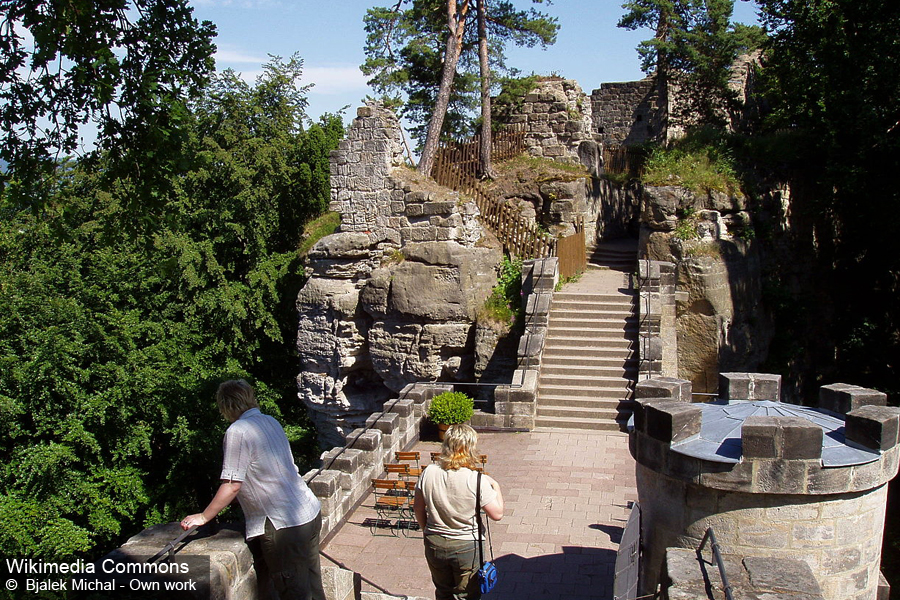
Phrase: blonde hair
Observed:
(234, 398)
(458, 449)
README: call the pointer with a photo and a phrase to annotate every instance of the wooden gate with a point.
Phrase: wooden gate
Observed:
(571, 252)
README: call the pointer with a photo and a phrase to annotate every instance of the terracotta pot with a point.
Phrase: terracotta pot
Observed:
(442, 430)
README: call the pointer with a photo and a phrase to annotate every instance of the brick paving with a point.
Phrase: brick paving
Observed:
(566, 494)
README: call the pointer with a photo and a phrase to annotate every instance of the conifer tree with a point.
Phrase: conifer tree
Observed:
(406, 55)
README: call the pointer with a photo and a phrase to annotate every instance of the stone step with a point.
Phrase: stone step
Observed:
(598, 357)
(582, 393)
(606, 404)
(595, 297)
(612, 261)
(629, 333)
(579, 342)
(578, 412)
(607, 424)
(587, 370)
(566, 304)
(596, 322)
(623, 368)
(554, 350)
(556, 385)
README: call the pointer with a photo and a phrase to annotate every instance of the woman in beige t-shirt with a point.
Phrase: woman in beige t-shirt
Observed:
(445, 509)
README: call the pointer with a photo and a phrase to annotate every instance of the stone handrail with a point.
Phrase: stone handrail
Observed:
(515, 404)
(656, 312)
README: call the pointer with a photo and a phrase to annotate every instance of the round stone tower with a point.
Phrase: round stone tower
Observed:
(772, 479)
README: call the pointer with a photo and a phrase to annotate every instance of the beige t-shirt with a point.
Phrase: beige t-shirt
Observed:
(450, 501)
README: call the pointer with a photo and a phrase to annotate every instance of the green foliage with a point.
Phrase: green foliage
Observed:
(127, 66)
(511, 96)
(694, 45)
(117, 324)
(449, 408)
(318, 228)
(828, 82)
(504, 306)
(405, 51)
(686, 229)
(700, 162)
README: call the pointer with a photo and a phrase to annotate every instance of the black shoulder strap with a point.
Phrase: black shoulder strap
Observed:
(478, 519)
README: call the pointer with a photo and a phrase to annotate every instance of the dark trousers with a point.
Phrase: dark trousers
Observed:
(453, 565)
(291, 560)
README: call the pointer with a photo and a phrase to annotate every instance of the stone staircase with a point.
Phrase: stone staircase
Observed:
(589, 365)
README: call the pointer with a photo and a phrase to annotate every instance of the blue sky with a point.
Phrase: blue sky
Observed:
(329, 36)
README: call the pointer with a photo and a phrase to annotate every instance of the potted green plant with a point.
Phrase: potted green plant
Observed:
(448, 408)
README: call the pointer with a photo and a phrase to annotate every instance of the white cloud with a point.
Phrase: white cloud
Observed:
(339, 79)
(225, 54)
(237, 3)
(249, 76)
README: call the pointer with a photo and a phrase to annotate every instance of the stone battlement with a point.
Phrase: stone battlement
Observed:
(780, 454)
(774, 479)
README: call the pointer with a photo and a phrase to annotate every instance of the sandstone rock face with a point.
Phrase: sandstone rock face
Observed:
(721, 323)
(392, 298)
(362, 341)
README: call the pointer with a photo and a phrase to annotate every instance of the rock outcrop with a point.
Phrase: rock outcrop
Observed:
(392, 298)
(720, 323)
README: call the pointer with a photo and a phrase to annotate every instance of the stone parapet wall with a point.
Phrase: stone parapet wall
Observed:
(690, 577)
(838, 537)
(345, 477)
(626, 113)
(778, 500)
(232, 574)
(342, 483)
(515, 405)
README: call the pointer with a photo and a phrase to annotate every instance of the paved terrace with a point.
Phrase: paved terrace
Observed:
(566, 494)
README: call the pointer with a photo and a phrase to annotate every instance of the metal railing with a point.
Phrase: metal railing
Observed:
(711, 537)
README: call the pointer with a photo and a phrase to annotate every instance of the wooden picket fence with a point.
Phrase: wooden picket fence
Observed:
(457, 166)
(465, 155)
(571, 251)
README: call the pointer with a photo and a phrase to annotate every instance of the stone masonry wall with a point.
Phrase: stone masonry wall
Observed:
(625, 113)
(374, 196)
(361, 189)
(515, 405)
(557, 120)
(839, 538)
(657, 343)
(690, 577)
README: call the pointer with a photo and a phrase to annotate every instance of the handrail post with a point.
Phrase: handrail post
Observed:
(711, 536)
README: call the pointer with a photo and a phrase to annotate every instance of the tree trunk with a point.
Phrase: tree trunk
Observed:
(487, 169)
(456, 23)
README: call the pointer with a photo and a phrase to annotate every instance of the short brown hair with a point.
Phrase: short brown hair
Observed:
(458, 449)
(234, 398)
